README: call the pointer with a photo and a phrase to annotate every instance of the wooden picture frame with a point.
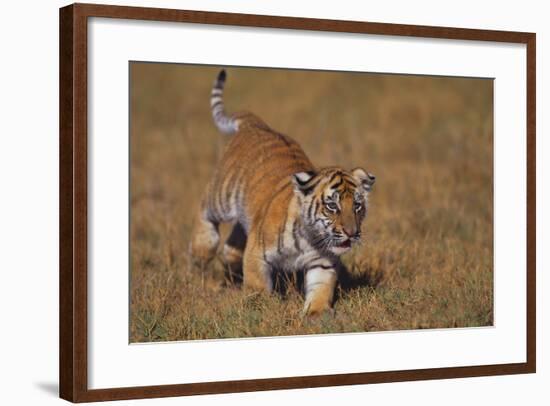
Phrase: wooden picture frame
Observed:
(73, 207)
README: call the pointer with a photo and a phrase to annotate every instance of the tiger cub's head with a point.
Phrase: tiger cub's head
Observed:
(333, 206)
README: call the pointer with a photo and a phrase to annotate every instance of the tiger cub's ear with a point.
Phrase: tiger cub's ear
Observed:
(302, 182)
(366, 179)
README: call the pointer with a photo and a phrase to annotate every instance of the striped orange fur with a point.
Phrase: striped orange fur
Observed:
(288, 214)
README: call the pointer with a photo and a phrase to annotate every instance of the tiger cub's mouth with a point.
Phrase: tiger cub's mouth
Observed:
(344, 244)
(341, 247)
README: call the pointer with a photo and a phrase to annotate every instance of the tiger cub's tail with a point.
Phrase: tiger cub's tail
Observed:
(226, 124)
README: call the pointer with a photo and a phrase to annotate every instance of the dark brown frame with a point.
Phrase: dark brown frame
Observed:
(73, 362)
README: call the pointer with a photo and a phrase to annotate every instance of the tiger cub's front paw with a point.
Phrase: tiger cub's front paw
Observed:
(317, 306)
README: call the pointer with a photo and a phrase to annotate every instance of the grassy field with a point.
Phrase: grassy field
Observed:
(428, 257)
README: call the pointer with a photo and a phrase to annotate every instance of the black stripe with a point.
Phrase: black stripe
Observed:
(309, 268)
(317, 207)
(216, 191)
(231, 182)
(280, 237)
(337, 184)
(334, 175)
(314, 182)
(220, 202)
(307, 191)
(262, 247)
(309, 210)
(236, 158)
(266, 209)
(226, 194)
(212, 203)
(237, 172)
(280, 136)
(255, 155)
(238, 196)
(229, 185)
(276, 172)
(317, 258)
(295, 235)
(221, 77)
(349, 179)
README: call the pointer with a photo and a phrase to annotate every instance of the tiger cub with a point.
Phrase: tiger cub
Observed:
(288, 215)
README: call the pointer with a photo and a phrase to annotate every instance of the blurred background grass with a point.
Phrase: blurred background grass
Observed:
(428, 257)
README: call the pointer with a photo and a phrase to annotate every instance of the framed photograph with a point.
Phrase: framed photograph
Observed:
(255, 202)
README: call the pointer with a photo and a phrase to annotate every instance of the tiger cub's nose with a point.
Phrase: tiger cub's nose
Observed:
(350, 231)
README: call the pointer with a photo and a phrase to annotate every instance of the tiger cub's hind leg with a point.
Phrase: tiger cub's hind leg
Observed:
(204, 240)
(256, 270)
(233, 252)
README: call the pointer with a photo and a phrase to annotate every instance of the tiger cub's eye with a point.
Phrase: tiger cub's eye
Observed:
(331, 206)
(358, 206)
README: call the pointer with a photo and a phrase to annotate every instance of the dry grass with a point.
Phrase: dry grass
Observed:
(428, 258)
